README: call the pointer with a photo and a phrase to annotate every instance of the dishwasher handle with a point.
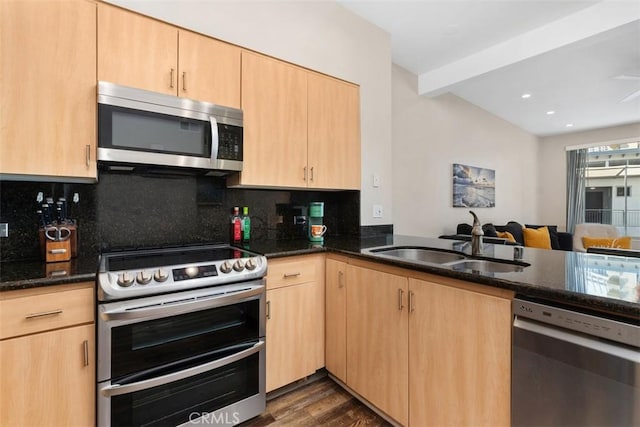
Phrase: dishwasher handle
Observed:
(632, 355)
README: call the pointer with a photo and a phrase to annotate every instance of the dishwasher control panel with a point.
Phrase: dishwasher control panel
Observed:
(602, 327)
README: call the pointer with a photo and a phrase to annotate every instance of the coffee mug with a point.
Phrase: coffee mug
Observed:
(318, 230)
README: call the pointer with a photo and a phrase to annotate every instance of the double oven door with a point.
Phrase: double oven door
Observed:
(194, 357)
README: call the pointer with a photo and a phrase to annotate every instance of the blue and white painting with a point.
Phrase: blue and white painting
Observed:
(473, 187)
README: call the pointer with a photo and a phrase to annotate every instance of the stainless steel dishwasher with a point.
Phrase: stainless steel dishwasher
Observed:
(572, 368)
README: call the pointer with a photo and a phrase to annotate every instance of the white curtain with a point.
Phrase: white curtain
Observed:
(576, 179)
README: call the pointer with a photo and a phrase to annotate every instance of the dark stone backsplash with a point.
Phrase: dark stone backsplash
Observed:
(130, 210)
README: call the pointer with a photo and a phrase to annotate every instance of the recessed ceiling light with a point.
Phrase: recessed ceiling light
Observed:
(550, 112)
(569, 125)
(525, 95)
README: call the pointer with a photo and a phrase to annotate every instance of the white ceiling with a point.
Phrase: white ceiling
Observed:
(565, 53)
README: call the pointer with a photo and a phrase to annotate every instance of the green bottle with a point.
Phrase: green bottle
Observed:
(246, 224)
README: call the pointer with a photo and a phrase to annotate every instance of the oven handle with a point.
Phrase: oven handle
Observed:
(577, 339)
(117, 389)
(171, 308)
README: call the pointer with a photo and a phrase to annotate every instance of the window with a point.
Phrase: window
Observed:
(609, 170)
(620, 191)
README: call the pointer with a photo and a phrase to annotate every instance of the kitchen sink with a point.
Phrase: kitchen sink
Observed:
(433, 256)
(487, 266)
(446, 258)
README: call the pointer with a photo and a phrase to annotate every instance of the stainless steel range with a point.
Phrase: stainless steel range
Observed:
(181, 336)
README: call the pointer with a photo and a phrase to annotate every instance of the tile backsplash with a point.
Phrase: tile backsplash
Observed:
(130, 210)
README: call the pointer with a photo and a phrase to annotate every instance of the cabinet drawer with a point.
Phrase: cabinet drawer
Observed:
(293, 271)
(37, 313)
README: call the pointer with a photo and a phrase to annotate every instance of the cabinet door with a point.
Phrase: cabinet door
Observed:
(460, 357)
(334, 133)
(291, 332)
(48, 88)
(137, 51)
(336, 319)
(274, 101)
(46, 379)
(209, 70)
(377, 334)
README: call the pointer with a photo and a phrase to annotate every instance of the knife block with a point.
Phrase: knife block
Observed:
(51, 251)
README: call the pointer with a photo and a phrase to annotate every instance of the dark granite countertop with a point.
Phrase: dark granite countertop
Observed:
(600, 282)
(35, 273)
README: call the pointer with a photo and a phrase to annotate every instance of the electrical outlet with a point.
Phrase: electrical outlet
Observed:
(377, 211)
(4, 229)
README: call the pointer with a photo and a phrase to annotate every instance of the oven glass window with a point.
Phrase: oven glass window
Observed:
(190, 398)
(146, 345)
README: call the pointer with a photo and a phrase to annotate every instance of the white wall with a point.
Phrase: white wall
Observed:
(553, 168)
(319, 35)
(429, 135)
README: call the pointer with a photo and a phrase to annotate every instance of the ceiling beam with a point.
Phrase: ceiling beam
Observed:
(603, 16)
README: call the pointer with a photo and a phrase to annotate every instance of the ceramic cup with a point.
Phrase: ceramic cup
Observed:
(318, 230)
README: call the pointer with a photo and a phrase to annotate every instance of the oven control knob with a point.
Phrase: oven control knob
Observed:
(238, 265)
(160, 275)
(143, 277)
(125, 279)
(250, 264)
(191, 271)
(225, 267)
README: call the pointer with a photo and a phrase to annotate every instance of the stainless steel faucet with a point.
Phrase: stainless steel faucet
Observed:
(476, 236)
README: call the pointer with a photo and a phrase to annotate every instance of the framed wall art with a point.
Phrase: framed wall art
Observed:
(473, 187)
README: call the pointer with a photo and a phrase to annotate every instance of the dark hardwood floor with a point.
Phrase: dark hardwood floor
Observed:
(320, 403)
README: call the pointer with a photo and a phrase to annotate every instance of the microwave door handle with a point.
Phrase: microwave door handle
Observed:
(117, 389)
(214, 141)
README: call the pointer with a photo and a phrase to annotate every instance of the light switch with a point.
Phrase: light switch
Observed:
(376, 180)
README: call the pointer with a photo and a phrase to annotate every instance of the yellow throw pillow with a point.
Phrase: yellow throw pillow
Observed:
(537, 238)
(607, 242)
(506, 235)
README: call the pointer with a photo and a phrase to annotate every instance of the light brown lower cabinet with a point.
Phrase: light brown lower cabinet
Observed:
(377, 333)
(295, 319)
(336, 318)
(425, 350)
(47, 378)
(459, 357)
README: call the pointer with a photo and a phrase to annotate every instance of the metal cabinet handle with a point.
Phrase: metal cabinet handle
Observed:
(304, 176)
(288, 275)
(171, 79)
(411, 302)
(311, 175)
(340, 279)
(268, 310)
(57, 251)
(400, 298)
(85, 346)
(184, 81)
(87, 154)
(43, 314)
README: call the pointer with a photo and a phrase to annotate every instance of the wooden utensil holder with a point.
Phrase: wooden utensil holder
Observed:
(63, 250)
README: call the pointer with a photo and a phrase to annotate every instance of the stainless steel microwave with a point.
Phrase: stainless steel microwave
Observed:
(137, 127)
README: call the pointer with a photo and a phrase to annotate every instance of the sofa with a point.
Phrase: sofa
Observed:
(558, 240)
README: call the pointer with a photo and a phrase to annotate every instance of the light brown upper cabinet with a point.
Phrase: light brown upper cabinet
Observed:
(140, 52)
(334, 133)
(48, 88)
(302, 129)
(274, 102)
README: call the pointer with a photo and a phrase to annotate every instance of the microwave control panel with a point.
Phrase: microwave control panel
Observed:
(229, 142)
